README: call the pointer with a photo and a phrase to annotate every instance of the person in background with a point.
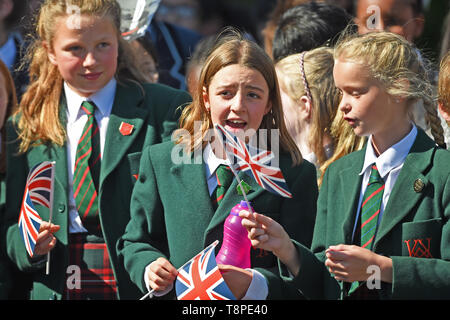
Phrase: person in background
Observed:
(444, 90)
(12, 47)
(310, 101)
(308, 26)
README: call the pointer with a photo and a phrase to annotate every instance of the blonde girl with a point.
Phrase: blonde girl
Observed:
(403, 252)
(238, 89)
(84, 90)
(310, 101)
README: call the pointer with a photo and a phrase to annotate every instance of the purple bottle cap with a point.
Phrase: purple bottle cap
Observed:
(241, 206)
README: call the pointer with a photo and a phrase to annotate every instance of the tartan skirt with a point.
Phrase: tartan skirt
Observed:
(91, 276)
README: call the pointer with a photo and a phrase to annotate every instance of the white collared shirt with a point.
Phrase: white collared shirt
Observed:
(76, 119)
(211, 165)
(258, 289)
(389, 165)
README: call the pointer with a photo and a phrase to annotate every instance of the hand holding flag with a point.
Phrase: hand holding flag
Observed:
(201, 279)
(38, 190)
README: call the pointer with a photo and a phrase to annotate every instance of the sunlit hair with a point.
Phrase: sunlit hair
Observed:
(318, 67)
(11, 106)
(398, 66)
(346, 141)
(232, 48)
(39, 112)
(444, 82)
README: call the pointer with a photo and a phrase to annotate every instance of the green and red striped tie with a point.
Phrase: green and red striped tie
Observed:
(370, 211)
(224, 178)
(86, 174)
(370, 208)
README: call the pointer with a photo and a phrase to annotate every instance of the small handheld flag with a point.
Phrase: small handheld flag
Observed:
(268, 177)
(38, 190)
(200, 278)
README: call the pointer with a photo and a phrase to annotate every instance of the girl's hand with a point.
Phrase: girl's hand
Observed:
(46, 241)
(349, 263)
(237, 279)
(267, 234)
(162, 274)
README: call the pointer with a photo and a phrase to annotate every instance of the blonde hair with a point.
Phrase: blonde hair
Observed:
(232, 48)
(391, 60)
(444, 82)
(318, 72)
(39, 114)
(346, 141)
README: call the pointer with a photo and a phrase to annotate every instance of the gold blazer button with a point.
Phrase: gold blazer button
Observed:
(418, 185)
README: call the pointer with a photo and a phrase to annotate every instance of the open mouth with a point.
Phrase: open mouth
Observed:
(236, 124)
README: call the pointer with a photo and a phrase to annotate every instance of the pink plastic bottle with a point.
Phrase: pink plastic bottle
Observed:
(236, 245)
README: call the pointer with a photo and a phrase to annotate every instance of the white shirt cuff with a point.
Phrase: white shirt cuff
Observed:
(258, 289)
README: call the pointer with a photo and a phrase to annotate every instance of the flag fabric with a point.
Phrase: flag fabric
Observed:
(38, 189)
(255, 163)
(200, 278)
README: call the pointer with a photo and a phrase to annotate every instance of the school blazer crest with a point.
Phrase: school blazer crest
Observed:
(151, 110)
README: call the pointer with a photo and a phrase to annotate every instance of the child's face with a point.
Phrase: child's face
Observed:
(85, 54)
(238, 98)
(395, 16)
(366, 105)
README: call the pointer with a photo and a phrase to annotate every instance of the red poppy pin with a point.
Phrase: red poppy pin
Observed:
(126, 129)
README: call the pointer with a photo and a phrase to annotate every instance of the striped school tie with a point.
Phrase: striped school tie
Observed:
(370, 210)
(224, 178)
(86, 174)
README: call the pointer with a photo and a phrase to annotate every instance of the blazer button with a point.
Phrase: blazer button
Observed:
(61, 208)
(142, 178)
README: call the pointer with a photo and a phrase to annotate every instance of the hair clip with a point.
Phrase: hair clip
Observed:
(302, 71)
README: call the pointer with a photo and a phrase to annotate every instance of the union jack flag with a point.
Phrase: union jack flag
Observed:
(200, 278)
(268, 177)
(38, 189)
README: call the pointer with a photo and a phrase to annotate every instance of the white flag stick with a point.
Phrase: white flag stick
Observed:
(47, 266)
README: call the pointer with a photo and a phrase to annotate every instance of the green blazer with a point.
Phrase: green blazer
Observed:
(172, 215)
(151, 109)
(5, 272)
(414, 230)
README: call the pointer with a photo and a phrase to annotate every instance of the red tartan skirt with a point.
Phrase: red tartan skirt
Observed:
(91, 276)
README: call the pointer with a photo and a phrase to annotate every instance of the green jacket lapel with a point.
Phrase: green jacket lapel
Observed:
(125, 110)
(416, 163)
(350, 181)
(192, 189)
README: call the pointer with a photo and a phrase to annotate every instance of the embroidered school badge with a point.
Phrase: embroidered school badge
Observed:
(126, 129)
(419, 248)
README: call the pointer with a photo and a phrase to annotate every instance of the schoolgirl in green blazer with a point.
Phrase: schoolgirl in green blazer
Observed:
(83, 62)
(172, 212)
(407, 256)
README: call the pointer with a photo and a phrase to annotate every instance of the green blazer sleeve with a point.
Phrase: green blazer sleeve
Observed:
(5, 272)
(145, 238)
(15, 180)
(313, 276)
